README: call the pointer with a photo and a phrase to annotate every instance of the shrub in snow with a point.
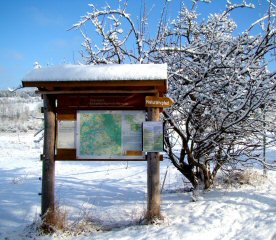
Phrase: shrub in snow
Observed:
(247, 177)
(52, 223)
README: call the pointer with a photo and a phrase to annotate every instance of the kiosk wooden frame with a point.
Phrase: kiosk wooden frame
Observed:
(65, 89)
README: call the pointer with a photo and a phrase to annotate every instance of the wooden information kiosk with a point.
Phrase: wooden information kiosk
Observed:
(80, 98)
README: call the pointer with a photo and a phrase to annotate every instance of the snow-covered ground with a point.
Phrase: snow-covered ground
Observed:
(113, 195)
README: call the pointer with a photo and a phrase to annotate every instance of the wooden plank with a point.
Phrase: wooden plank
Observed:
(101, 101)
(79, 84)
(70, 155)
(94, 91)
(66, 154)
(133, 153)
(103, 160)
(66, 116)
(118, 87)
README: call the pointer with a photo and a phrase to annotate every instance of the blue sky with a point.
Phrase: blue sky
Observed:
(36, 30)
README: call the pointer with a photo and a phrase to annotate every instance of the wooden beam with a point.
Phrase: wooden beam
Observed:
(48, 166)
(153, 178)
(70, 155)
(95, 91)
(79, 84)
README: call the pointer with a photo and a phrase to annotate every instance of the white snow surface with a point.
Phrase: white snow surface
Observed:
(112, 72)
(113, 194)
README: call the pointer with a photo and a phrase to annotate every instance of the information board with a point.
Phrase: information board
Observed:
(66, 134)
(109, 134)
(153, 137)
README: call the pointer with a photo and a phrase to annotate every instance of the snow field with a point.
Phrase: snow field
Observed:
(113, 196)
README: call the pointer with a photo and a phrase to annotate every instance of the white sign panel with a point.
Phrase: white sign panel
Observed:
(66, 134)
(153, 137)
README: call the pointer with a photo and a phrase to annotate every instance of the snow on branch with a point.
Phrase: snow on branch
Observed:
(112, 36)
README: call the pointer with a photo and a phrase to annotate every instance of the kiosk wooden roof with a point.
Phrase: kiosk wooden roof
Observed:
(114, 78)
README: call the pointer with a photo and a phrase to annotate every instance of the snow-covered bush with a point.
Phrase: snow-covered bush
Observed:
(222, 87)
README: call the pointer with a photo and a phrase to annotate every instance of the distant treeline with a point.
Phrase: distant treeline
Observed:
(19, 111)
(19, 93)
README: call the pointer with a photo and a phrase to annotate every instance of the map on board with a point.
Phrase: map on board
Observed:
(109, 134)
(153, 137)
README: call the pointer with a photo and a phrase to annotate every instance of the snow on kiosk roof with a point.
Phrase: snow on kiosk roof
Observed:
(70, 75)
(112, 72)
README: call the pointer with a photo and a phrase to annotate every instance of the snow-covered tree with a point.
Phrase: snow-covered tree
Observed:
(219, 81)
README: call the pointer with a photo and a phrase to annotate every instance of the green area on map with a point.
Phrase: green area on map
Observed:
(100, 134)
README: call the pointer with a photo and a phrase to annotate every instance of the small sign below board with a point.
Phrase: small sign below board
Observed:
(153, 137)
(159, 102)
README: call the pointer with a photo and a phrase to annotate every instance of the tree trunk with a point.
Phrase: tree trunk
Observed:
(187, 171)
(207, 181)
(206, 177)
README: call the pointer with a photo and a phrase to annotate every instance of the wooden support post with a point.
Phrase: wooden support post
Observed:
(153, 183)
(48, 166)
